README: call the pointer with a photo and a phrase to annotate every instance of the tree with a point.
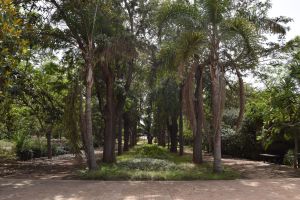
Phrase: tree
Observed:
(232, 33)
(13, 47)
(285, 103)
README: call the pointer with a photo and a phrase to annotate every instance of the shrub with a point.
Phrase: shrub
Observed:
(151, 151)
(7, 149)
(241, 145)
(289, 158)
(28, 148)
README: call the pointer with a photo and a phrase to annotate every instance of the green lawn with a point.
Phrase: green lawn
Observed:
(150, 162)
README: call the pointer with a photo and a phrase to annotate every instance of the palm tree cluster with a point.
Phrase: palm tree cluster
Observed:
(148, 66)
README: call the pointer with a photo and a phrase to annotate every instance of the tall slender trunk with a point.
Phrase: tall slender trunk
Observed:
(197, 150)
(132, 141)
(88, 116)
(126, 131)
(161, 138)
(168, 136)
(49, 143)
(173, 134)
(120, 150)
(241, 99)
(217, 103)
(109, 155)
(218, 99)
(82, 125)
(296, 164)
(180, 121)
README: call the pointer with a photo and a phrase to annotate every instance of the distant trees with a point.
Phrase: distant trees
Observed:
(284, 101)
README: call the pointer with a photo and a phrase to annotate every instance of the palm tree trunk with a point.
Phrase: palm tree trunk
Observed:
(197, 150)
(126, 131)
(132, 141)
(110, 128)
(173, 134)
(88, 116)
(180, 122)
(218, 89)
(120, 150)
(241, 99)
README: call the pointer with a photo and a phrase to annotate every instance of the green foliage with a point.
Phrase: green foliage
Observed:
(243, 144)
(7, 149)
(148, 151)
(28, 148)
(147, 164)
(289, 158)
(141, 163)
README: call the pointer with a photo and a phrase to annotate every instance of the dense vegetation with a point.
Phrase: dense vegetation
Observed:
(77, 75)
(151, 162)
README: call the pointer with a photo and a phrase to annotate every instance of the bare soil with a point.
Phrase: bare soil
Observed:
(66, 167)
(254, 189)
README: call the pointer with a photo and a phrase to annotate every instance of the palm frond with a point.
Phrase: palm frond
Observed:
(182, 13)
(187, 46)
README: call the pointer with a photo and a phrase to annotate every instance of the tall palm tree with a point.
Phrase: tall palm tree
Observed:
(233, 38)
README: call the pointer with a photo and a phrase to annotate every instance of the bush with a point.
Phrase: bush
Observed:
(151, 151)
(241, 145)
(289, 158)
(28, 148)
(7, 149)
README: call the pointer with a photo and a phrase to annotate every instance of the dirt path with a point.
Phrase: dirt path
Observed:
(260, 170)
(257, 169)
(66, 167)
(261, 189)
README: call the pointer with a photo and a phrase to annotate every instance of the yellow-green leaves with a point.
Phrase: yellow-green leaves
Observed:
(12, 46)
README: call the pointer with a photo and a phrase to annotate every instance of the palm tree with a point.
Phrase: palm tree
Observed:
(233, 37)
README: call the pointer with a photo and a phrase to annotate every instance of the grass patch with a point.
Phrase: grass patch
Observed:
(7, 149)
(151, 162)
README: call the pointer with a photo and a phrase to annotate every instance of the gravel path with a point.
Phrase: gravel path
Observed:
(261, 189)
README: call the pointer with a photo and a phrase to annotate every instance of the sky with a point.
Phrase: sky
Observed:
(288, 8)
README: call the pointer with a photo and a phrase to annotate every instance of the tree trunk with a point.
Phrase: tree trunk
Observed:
(218, 98)
(126, 131)
(82, 125)
(296, 164)
(149, 138)
(120, 150)
(161, 138)
(135, 134)
(133, 140)
(217, 102)
(197, 150)
(241, 99)
(88, 116)
(110, 128)
(180, 122)
(173, 134)
(49, 143)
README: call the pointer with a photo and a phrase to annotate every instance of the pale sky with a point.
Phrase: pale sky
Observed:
(288, 8)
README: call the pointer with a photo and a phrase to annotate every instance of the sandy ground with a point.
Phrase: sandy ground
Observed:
(66, 167)
(261, 189)
(43, 179)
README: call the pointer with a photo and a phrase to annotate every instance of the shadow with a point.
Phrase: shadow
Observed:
(158, 190)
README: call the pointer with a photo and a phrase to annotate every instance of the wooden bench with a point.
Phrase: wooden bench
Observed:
(270, 157)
